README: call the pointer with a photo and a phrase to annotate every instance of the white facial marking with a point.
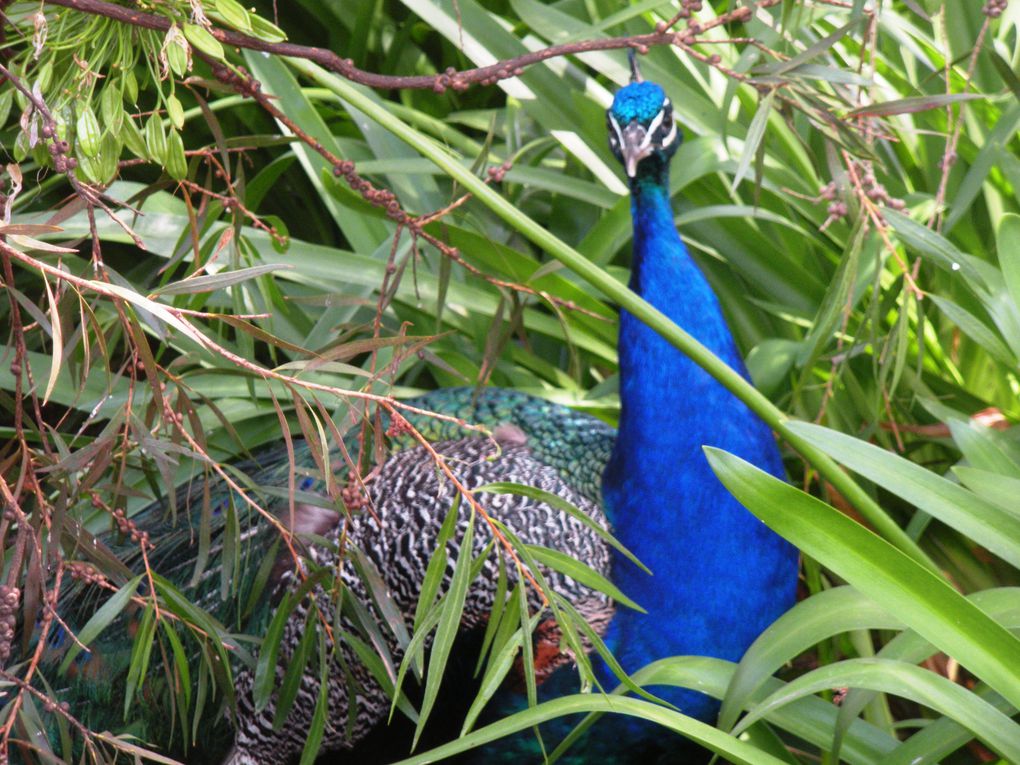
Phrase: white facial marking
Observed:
(616, 129)
(652, 128)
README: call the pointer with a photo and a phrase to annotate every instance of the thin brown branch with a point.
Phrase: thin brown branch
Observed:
(400, 425)
(117, 294)
(451, 78)
(949, 156)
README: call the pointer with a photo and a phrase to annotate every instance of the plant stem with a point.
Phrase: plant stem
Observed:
(729, 378)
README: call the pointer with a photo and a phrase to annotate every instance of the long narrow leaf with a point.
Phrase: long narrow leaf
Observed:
(922, 600)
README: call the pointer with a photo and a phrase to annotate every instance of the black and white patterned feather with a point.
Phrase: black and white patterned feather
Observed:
(411, 498)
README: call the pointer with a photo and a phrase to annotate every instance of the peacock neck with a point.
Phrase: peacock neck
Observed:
(719, 576)
(667, 399)
(664, 274)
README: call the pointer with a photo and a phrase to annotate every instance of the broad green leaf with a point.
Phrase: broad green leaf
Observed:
(824, 614)
(733, 750)
(1007, 237)
(990, 725)
(976, 330)
(924, 601)
(980, 520)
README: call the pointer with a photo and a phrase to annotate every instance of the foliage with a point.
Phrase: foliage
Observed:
(849, 183)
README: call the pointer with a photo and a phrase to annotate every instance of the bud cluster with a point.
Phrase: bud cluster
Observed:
(9, 599)
(994, 8)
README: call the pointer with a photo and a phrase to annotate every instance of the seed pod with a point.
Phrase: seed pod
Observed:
(41, 154)
(21, 146)
(109, 154)
(110, 108)
(265, 30)
(177, 57)
(130, 86)
(88, 132)
(234, 14)
(200, 37)
(155, 139)
(132, 137)
(176, 162)
(60, 117)
(90, 167)
(45, 76)
(175, 111)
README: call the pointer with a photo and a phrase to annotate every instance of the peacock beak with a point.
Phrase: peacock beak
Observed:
(635, 146)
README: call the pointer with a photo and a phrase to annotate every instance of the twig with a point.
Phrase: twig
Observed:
(949, 156)
(450, 79)
(117, 295)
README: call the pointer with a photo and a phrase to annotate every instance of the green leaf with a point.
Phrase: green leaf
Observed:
(981, 521)
(1007, 236)
(265, 683)
(925, 602)
(912, 104)
(755, 134)
(448, 627)
(436, 569)
(218, 281)
(141, 650)
(297, 665)
(980, 276)
(317, 726)
(976, 330)
(507, 642)
(911, 682)
(809, 718)
(581, 573)
(824, 614)
(1001, 489)
(100, 620)
(732, 749)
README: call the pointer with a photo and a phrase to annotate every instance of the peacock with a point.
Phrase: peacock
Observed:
(718, 577)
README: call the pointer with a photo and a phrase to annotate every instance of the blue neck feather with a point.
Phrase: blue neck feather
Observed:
(719, 575)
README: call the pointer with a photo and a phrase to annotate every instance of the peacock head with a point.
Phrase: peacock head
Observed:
(642, 131)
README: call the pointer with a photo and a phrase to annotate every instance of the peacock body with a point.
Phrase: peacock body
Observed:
(719, 575)
(398, 539)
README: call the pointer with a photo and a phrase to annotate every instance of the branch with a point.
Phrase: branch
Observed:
(451, 78)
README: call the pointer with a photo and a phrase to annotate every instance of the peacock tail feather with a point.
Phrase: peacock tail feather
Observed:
(242, 568)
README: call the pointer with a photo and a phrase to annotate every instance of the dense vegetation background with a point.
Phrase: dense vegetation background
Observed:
(191, 260)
